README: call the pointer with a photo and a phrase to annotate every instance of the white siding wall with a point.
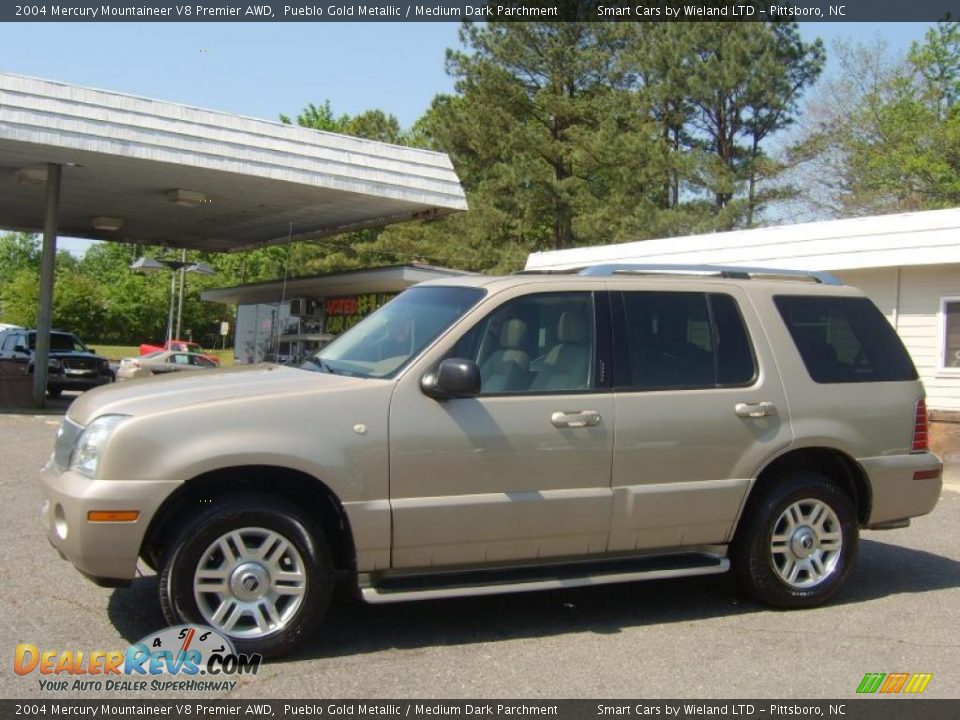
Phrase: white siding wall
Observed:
(917, 319)
(879, 283)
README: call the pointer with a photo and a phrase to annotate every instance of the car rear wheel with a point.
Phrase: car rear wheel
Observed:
(255, 569)
(797, 543)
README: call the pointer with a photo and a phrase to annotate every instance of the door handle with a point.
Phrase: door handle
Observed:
(755, 410)
(576, 419)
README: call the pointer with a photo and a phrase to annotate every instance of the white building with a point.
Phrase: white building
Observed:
(909, 264)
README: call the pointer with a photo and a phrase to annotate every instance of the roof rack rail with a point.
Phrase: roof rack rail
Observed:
(724, 271)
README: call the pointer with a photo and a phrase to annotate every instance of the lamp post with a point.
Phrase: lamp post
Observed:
(145, 264)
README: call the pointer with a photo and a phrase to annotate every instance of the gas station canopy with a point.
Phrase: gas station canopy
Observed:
(108, 166)
(157, 173)
(390, 279)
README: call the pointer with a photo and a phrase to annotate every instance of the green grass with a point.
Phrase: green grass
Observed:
(115, 352)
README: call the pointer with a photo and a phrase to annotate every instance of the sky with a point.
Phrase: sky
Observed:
(264, 69)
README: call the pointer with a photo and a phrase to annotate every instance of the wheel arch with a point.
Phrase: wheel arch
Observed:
(300, 488)
(837, 465)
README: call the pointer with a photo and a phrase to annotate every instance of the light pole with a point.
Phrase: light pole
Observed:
(145, 264)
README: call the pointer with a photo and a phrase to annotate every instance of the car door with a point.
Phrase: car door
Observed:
(177, 362)
(699, 408)
(198, 361)
(8, 341)
(16, 350)
(521, 471)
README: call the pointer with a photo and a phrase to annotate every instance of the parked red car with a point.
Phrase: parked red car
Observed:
(179, 346)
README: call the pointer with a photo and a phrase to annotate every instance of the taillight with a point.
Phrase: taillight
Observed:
(921, 442)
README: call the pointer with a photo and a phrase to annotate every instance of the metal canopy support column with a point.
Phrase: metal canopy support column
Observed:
(47, 264)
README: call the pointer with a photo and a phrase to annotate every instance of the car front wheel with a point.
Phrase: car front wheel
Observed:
(797, 543)
(255, 568)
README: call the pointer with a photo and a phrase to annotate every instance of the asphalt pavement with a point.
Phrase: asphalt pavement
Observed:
(899, 612)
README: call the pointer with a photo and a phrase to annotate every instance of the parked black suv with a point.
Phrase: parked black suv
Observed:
(73, 366)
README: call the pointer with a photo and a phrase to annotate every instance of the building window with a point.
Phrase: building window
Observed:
(950, 333)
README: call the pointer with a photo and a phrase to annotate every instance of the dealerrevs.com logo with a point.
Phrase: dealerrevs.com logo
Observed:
(187, 658)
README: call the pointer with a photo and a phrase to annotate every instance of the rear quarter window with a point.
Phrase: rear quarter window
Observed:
(845, 339)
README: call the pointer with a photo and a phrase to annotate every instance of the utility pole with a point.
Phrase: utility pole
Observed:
(183, 270)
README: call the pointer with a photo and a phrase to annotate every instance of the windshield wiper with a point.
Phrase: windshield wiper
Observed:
(322, 365)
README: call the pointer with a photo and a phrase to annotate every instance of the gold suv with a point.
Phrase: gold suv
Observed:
(503, 434)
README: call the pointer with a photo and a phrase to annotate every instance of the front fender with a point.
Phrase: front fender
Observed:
(340, 440)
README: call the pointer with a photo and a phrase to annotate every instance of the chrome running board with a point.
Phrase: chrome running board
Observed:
(436, 586)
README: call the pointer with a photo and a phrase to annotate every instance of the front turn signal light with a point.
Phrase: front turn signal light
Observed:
(113, 515)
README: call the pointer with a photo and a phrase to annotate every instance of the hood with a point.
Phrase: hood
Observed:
(179, 390)
(74, 354)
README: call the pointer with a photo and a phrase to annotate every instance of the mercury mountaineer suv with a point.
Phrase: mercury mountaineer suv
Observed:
(502, 434)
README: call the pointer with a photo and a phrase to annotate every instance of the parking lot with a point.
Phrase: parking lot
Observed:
(899, 612)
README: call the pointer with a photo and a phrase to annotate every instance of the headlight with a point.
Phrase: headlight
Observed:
(54, 364)
(90, 444)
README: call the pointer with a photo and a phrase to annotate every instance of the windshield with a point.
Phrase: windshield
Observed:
(61, 342)
(384, 342)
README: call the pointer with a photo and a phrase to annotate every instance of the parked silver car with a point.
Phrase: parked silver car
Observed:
(500, 434)
(158, 363)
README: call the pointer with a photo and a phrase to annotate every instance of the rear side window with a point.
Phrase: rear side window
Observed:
(680, 340)
(845, 340)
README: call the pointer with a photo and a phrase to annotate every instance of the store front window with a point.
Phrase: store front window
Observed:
(256, 331)
(289, 331)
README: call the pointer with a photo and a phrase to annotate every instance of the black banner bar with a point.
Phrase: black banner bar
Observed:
(876, 708)
(459, 10)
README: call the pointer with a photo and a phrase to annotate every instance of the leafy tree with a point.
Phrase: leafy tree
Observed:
(530, 99)
(318, 117)
(375, 125)
(78, 304)
(18, 251)
(371, 124)
(658, 59)
(937, 61)
(582, 133)
(19, 298)
(719, 92)
(884, 134)
(19, 279)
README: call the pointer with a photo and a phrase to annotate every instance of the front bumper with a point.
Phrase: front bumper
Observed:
(902, 486)
(77, 382)
(106, 552)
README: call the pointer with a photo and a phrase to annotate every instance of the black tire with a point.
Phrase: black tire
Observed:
(254, 513)
(759, 568)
